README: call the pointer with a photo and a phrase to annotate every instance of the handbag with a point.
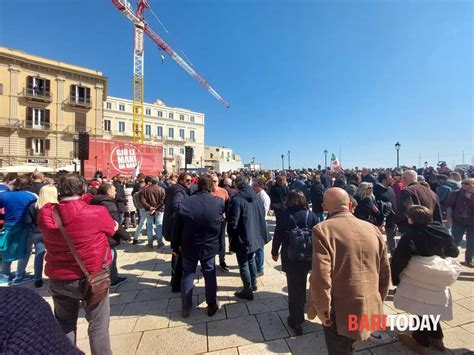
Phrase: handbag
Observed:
(97, 285)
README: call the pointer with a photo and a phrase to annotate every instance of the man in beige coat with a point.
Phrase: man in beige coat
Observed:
(351, 272)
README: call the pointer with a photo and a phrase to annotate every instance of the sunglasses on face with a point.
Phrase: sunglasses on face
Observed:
(188, 180)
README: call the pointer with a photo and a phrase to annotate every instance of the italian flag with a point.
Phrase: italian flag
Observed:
(335, 163)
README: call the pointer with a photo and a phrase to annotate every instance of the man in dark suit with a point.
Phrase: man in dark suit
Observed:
(197, 230)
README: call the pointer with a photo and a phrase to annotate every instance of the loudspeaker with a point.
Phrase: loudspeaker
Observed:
(189, 154)
(83, 153)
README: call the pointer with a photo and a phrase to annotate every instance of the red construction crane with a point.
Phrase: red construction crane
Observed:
(141, 26)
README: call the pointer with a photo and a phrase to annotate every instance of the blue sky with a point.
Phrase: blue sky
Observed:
(355, 76)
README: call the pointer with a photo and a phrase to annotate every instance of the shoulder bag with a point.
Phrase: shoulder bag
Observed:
(97, 285)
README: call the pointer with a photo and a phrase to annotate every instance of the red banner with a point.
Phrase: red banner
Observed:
(118, 157)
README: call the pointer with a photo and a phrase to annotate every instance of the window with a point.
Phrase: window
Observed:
(37, 118)
(80, 95)
(192, 135)
(171, 132)
(109, 106)
(181, 133)
(181, 117)
(159, 131)
(160, 113)
(148, 111)
(181, 150)
(121, 126)
(170, 115)
(192, 119)
(107, 125)
(148, 130)
(37, 146)
(37, 86)
(121, 107)
(171, 151)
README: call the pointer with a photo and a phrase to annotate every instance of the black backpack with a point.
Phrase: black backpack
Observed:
(300, 244)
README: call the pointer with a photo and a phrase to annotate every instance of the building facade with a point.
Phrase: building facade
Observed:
(44, 105)
(171, 127)
(221, 159)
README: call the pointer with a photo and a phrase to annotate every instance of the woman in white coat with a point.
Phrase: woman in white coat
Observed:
(130, 208)
(423, 272)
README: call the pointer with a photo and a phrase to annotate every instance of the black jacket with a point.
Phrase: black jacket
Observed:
(300, 185)
(112, 207)
(278, 195)
(326, 181)
(282, 230)
(36, 187)
(120, 197)
(197, 226)
(422, 240)
(246, 224)
(175, 194)
(316, 194)
(386, 194)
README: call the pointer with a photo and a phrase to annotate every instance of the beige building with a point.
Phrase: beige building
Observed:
(172, 127)
(221, 159)
(44, 104)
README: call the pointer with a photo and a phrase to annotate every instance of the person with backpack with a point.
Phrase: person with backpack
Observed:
(293, 235)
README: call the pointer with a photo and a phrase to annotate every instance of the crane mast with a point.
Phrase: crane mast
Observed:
(141, 28)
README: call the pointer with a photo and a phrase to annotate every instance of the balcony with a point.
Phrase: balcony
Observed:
(191, 140)
(80, 101)
(29, 124)
(73, 129)
(121, 133)
(37, 95)
(33, 153)
(175, 139)
(10, 123)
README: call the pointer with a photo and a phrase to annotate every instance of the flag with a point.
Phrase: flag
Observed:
(136, 172)
(335, 163)
(162, 58)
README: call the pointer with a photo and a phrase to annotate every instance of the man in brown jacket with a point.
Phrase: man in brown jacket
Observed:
(415, 194)
(152, 198)
(351, 273)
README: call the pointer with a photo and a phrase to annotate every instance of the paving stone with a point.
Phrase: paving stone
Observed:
(467, 303)
(271, 347)
(180, 340)
(123, 344)
(116, 310)
(469, 327)
(393, 348)
(309, 326)
(461, 315)
(137, 309)
(312, 343)
(157, 293)
(175, 304)
(463, 288)
(274, 279)
(271, 326)
(122, 325)
(236, 310)
(122, 297)
(231, 351)
(233, 332)
(197, 315)
(458, 340)
(151, 323)
(267, 305)
(223, 299)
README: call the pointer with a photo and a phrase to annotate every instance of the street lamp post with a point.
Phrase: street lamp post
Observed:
(283, 162)
(289, 164)
(325, 158)
(397, 147)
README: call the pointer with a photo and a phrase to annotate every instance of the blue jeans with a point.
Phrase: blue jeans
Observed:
(35, 239)
(260, 259)
(141, 223)
(208, 267)
(248, 270)
(457, 231)
(157, 220)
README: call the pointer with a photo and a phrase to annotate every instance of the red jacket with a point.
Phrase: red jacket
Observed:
(89, 226)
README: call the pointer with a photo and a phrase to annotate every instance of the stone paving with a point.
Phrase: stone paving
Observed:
(145, 314)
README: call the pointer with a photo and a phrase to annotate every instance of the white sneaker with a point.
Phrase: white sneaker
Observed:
(380, 337)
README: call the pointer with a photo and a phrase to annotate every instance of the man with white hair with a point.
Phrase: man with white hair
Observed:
(415, 194)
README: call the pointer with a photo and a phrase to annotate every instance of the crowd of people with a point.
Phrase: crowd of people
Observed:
(330, 224)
